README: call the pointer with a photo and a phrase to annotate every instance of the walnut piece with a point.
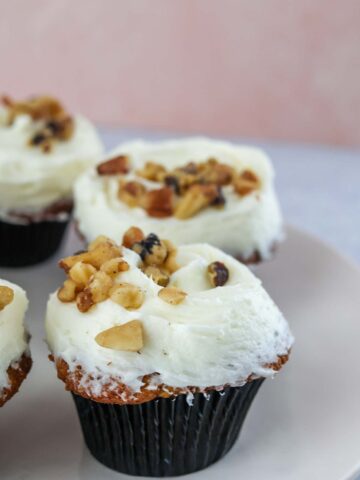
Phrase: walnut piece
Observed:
(131, 236)
(132, 193)
(152, 171)
(218, 274)
(67, 293)
(157, 275)
(99, 286)
(159, 203)
(101, 253)
(81, 272)
(114, 166)
(196, 199)
(114, 266)
(6, 296)
(127, 337)
(172, 295)
(246, 183)
(127, 295)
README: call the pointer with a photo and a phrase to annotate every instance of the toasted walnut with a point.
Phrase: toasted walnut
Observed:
(127, 295)
(81, 272)
(218, 274)
(100, 254)
(127, 337)
(152, 171)
(100, 239)
(214, 172)
(170, 263)
(67, 293)
(246, 183)
(84, 300)
(114, 166)
(114, 266)
(131, 236)
(99, 286)
(131, 193)
(39, 108)
(172, 295)
(196, 199)
(159, 203)
(6, 296)
(157, 275)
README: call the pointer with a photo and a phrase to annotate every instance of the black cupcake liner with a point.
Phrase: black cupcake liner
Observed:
(165, 437)
(27, 244)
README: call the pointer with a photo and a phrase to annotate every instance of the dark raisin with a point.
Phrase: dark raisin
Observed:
(219, 200)
(150, 241)
(38, 138)
(218, 274)
(173, 182)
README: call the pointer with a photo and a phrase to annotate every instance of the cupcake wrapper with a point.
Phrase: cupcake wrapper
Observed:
(22, 245)
(165, 437)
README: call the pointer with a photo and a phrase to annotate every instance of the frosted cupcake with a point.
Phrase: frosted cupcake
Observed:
(191, 190)
(15, 361)
(42, 151)
(163, 349)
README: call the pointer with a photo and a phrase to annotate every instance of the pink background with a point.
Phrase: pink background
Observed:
(282, 69)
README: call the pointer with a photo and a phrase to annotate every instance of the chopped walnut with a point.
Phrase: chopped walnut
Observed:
(159, 203)
(127, 337)
(6, 296)
(56, 123)
(67, 293)
(129, 296)
(170, 263)
(114, 266)
(218, 274)
(101, 253)
(152, 171)
(84, 300)
(132, 193)
(99, 286)
(246, 183)
(196, 199)
(114, 166)
(157, 275)
(81, 272)
(131, 236)
(172, 295)
(100, 239)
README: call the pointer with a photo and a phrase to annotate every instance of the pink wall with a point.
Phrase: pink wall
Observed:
(284, 69)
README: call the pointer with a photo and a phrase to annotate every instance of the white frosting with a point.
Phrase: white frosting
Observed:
(31, 180)
(216, 336)
(13, 336)
(245, 224)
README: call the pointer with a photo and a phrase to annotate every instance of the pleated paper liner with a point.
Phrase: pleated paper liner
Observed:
(165, 437)
(27, 244)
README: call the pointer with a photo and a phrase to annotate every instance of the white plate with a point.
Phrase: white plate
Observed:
(304, 424)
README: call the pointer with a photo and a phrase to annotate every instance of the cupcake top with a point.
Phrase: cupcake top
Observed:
(146, 319)
(13, 336)
(42, 151)
(192, 189)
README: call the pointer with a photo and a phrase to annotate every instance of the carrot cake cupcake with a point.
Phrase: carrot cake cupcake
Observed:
(15, 361)
(191, 190)
(163, 349)
(42, 151)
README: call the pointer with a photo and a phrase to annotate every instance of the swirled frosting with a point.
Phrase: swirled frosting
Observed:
(215, 336)
(244, 226)
(31, 180)
(13, 337)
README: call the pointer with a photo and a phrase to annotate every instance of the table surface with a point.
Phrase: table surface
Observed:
(318, 186)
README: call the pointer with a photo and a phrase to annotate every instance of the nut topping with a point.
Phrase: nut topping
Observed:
(127, 337)
(132, 193)
(152, 171)
(114, 266)
(6, 296)
(132, 236)
(196, 199)
(158, 276)
(218, 274)
(114, 166)
(172, 295)
(128, 296)
(246, 183)
(159, 203)
(67, 293)
(81, 272)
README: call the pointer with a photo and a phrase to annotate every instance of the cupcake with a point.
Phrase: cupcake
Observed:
(163, 350)
(42, 151)
(191, 190)
(15, 360)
